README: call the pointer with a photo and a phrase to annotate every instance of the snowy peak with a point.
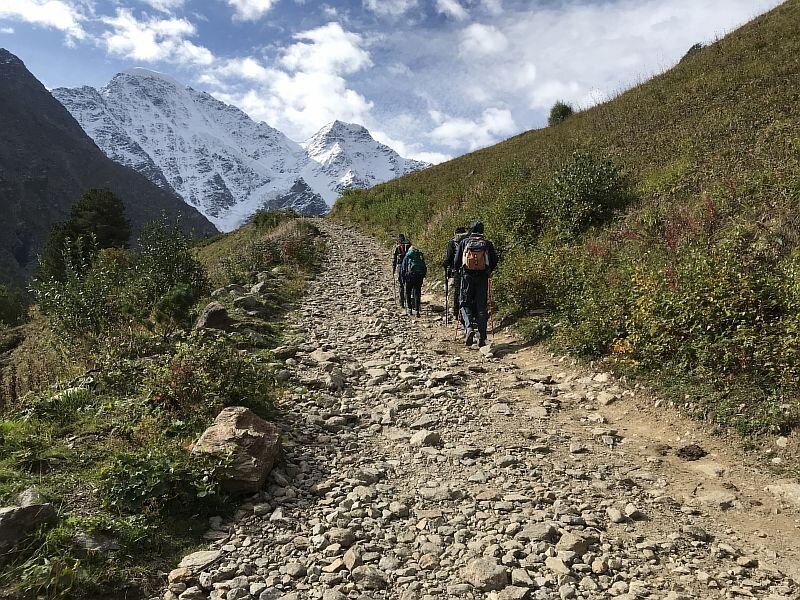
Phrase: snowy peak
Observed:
(347, 155)
(142, 73)
(216, 157)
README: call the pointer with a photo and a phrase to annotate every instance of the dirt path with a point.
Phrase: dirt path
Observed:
(416, 468)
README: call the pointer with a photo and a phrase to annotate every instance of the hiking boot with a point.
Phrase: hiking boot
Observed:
(408, 312)
(470, 338)
(481, 342)
(418, 315)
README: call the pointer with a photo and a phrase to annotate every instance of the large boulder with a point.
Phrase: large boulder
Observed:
(214, 316)
(253, 443)
(17, 522)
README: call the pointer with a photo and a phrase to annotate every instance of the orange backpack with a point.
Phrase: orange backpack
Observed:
(475, 250)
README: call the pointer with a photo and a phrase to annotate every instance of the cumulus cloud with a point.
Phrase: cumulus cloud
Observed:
(154, 40)
(304, 87)
(250, 10)
(52, 14)
(7, 30)
(392, 8)
(479, 40)
(452, 8)
(459, 133)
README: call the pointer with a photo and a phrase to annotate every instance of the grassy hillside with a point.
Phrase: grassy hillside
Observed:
(103, 393)
(660, 230)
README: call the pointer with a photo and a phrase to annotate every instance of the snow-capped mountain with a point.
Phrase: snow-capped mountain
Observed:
(217, 158)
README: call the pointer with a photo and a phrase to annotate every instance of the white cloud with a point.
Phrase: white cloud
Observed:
(452, 8)
(328, 49)
(305, 87)
(547, 93)
(458, 133)
(7, 30)
(393, 8)
(166, 6)
(250, 10)
(482, 40)
(414, 151)
(492, 78)
(493, 7)
(53, 14)
(154, 40)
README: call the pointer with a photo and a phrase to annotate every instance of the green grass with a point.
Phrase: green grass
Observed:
(695, 280)
(102, 429)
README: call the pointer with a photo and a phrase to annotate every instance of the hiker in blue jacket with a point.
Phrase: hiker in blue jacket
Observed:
(413, 271)
(476, 258)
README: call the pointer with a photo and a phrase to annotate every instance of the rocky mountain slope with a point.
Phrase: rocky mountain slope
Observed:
(47, 161)
(218, 159)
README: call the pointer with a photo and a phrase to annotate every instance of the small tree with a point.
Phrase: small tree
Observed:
(98, 215)
(560, 112)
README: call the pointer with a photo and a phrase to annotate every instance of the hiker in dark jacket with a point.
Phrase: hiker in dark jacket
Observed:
(400, 250)
(476, 258)
(413, 271)
(448, 264)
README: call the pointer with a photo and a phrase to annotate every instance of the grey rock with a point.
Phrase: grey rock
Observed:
(17, 522)
(486, 575)
(214, 316)
(369, 578)
(253, 443)
(425, 438)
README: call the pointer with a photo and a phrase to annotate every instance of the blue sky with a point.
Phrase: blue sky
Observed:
(431, 78)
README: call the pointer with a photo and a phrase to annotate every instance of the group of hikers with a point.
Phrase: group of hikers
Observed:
(469, 261)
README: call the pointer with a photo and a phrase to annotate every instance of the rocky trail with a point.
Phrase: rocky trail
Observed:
(415, 468)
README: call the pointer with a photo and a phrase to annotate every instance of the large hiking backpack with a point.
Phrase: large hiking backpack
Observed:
(416, 267)
(475, 254)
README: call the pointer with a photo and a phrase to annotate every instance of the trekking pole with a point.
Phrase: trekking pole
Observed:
(446, 300)
(491, 311)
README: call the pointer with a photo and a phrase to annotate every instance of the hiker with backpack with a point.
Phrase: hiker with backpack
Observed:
(476, 258)
(413, 271)
(448, 264)
(400, 250)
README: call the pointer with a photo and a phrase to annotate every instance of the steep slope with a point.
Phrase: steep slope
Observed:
(47, 162)
(216, 157)
(696, 282)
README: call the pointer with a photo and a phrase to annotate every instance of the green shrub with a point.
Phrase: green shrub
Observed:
(101, 289)
(163, 482)
(560, 112)
(164, 265)
(269, 219)
(205, 375)
(587, 191)
(173, 309)
(86, 302)
(13, 307)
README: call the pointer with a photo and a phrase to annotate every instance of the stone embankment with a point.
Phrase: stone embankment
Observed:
(417, 469)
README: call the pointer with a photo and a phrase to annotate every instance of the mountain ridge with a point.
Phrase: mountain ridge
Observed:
(47, 162)
(216, 157)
